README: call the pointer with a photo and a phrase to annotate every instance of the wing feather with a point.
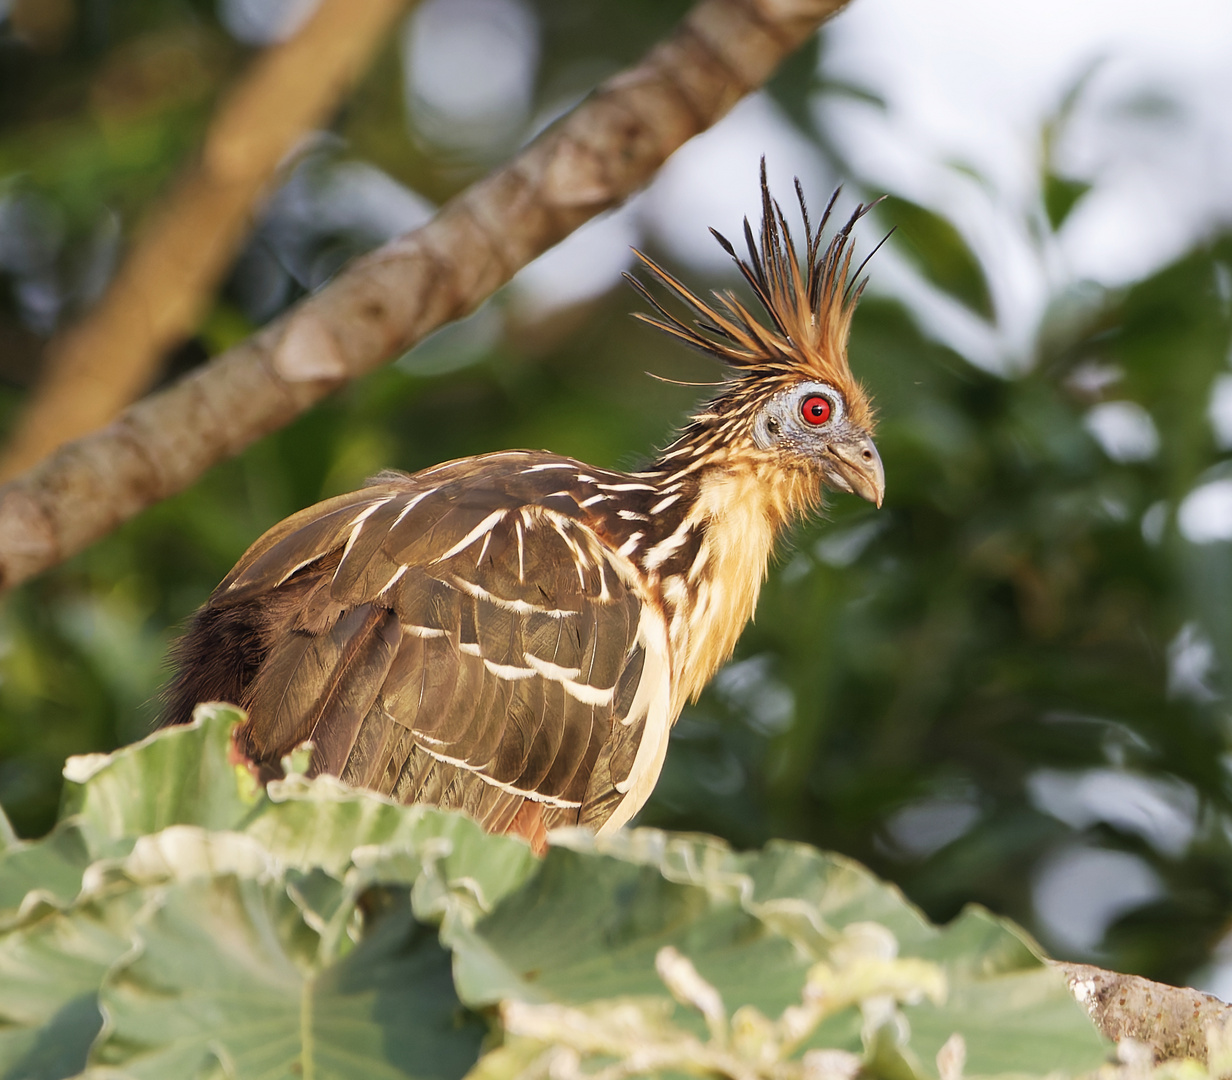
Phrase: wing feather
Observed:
(366, 568)
(460, 637)
(292, 544)
(336, 675)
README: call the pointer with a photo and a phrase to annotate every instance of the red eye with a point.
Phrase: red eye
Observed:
(815, 410)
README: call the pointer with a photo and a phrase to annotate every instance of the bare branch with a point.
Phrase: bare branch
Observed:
(156, 300)
(1173, 1021)
(381, 304)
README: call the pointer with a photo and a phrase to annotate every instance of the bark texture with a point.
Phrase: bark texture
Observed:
(164, 285)
(383, 303)
(1175, 1022)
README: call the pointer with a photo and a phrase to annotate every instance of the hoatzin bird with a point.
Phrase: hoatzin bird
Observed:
(514, 634)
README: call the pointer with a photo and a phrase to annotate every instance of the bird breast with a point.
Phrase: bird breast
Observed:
(711, 602)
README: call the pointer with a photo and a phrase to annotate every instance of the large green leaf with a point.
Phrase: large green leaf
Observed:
(310, 929)
(51, 867)
(200, 909)
(188, 775)
(178, 776)
(446, 856)
(589, 925)
(206, 955)
(1014, 1012)
(51, 965)
(228, 976)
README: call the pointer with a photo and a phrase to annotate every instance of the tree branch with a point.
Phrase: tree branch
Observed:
(1173, 1021)
(157, 298)
(383, 303)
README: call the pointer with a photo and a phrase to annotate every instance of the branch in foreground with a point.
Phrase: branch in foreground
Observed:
(108, 359)
(1173, 1021)
(381, 304)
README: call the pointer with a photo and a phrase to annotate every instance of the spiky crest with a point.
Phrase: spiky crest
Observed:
(809, 308)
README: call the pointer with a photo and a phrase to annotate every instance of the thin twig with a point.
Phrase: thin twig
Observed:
(383, 303)
(155, 301)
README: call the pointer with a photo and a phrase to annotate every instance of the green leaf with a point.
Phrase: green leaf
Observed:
(8, 838)
(177, 776)
(187, 775)
(589, 925)
(1015, 1012)
(52, 867)
(227, 977)
(446, 855)
(939, 252)
(51, 966)
(1060, 197)
(293, 932)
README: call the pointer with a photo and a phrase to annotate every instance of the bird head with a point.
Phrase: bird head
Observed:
(812, 420)
(793, 395)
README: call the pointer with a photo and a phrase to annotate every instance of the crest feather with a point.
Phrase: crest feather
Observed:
(809, 303)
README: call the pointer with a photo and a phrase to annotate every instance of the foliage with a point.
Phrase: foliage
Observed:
(179, 921)
(956, 690)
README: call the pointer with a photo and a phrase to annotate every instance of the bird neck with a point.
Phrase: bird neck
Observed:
(710, 552)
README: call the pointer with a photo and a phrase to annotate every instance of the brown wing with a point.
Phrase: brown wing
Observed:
(459, 637)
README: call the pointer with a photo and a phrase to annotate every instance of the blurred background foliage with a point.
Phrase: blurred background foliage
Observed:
(1008, 686)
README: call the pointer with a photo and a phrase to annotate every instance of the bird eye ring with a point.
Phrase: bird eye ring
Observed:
(816, 410)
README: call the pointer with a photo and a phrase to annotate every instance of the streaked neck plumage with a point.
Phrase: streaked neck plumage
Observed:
(701, 523)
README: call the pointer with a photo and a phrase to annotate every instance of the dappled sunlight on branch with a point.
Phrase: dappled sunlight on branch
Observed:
(382, 304)
(103, 363)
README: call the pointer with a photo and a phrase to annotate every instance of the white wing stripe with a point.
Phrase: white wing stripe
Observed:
(485, 526)
(567, 677)
(290, 573)
(653, 700)
(358, 523)
(484, 549)
(630, 545)
(411, 506)
(393, 580)
(589, 695)
(508, 671)
(520, 606)
(663, 550)
(551, 671)
(535, 796)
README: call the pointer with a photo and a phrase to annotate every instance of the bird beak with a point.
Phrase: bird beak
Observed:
(856, 466)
